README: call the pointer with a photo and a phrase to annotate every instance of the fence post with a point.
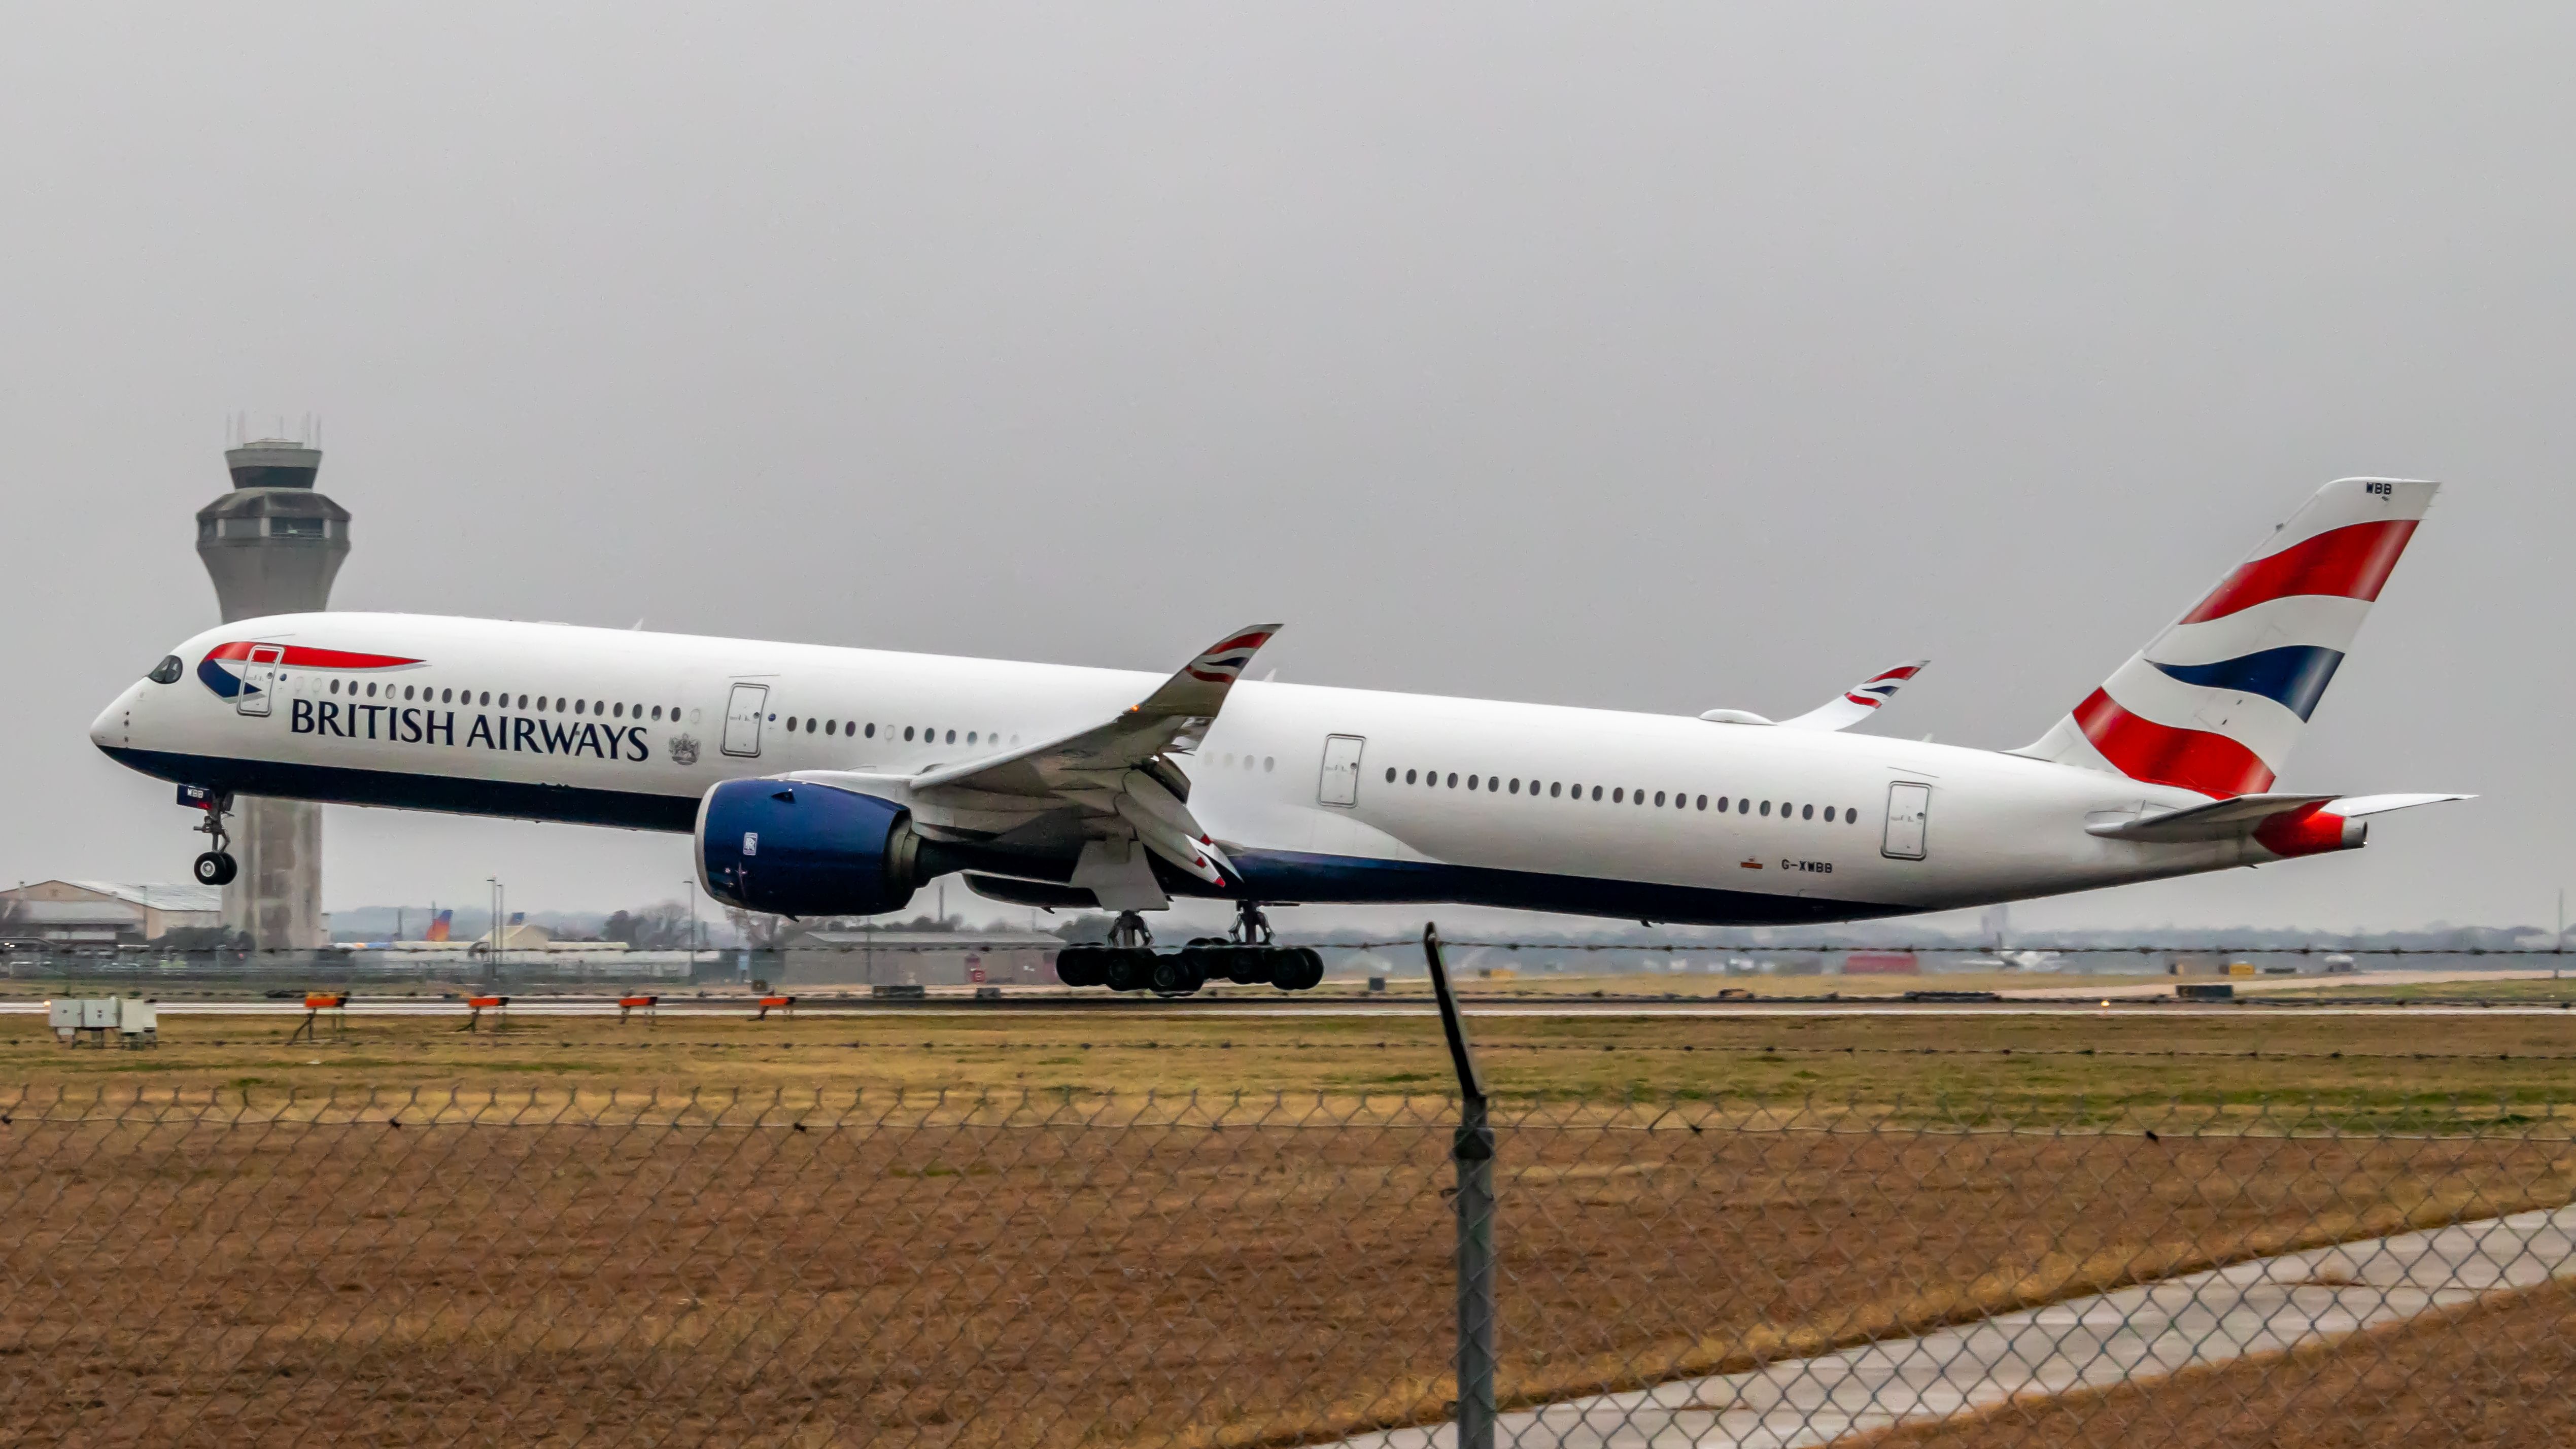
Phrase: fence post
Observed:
(1471, 1152)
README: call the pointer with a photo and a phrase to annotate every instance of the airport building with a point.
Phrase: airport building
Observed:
(916, 958)
(272, 546)
(58, 913)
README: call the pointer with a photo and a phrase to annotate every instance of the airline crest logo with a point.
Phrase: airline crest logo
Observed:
(227, 668)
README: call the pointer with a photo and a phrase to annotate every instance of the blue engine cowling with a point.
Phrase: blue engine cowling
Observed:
(795, 848)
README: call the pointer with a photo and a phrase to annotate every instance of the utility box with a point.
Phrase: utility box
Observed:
(136, 1021)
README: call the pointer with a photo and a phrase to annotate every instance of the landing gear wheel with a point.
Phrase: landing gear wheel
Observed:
(1177, 974)
(216, 868)
(1130, 970)
(1296, 968)
(1082, 966)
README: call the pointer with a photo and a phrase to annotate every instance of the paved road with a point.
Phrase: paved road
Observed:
(2266, 1306)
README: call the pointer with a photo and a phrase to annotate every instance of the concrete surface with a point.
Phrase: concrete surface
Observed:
(2264, 1306)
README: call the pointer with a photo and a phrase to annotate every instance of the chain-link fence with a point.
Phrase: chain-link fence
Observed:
(566, 1266)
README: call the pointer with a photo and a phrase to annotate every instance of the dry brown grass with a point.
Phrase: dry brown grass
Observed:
(1058, 1269)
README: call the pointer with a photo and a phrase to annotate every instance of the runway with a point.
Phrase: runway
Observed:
(1069, 1009)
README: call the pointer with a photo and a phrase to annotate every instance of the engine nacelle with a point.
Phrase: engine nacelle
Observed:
(795, 848)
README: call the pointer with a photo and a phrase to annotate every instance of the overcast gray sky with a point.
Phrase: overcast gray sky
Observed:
(1657, 357)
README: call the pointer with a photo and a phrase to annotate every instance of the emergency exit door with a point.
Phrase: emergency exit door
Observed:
(1909, 815)
(1341, 782)
(259, 678)
(743, 714)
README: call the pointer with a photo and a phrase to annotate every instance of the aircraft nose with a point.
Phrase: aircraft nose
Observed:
(115, 722)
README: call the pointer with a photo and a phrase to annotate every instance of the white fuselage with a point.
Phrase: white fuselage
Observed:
(640, 734)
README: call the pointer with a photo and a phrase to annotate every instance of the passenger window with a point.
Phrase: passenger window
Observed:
(1850, 816)
(1703, 802)
(371, 689)
(1453, 779)
(1807, 812)
(1596, 792)
(1555, 790)
(1408, 777)
(1766, 807)
(1471, 782)
(1516, 784)
(970, 737)
(1269, 763)
(907, 733)
(1829, 815)
(872, 730)
(1619, 796)
(1659, 797)
(1390, 774)
(952, 737)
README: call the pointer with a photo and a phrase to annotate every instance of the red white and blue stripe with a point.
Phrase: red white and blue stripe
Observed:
(2217, 702)
(1878, 689)
(1223, 663)
(225, 666)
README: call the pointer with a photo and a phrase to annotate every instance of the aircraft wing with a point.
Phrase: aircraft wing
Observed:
(1117, 771)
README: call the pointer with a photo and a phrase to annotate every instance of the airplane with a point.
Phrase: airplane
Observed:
(822, 781)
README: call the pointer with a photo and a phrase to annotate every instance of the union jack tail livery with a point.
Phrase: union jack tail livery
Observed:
(2215, 704)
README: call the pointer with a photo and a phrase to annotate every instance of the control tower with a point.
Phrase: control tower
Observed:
(273, 545)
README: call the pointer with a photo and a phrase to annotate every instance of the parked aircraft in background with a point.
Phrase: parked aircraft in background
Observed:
(828, 781)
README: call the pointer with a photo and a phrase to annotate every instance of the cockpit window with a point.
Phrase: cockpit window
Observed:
(167, 671)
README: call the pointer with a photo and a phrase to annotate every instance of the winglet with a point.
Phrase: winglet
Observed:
(1860, 701)
(1200, 686)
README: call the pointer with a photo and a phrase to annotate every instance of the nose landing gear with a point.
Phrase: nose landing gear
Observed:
(216, 867)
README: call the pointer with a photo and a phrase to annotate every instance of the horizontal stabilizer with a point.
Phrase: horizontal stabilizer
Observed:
(2246, 815)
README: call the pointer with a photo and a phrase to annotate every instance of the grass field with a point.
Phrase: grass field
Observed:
(719, 1230)
(2369, 1066)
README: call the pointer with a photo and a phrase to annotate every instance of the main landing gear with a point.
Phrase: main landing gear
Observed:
(1249, 956)
(217, 867)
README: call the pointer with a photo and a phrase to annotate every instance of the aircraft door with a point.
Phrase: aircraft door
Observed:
(1909, 818)
(743, 714)
(259, 678)
(1341, 782)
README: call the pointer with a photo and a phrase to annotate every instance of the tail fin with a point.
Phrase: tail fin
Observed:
(2218, 700)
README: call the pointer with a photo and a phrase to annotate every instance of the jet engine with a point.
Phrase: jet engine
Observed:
(795, 848)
